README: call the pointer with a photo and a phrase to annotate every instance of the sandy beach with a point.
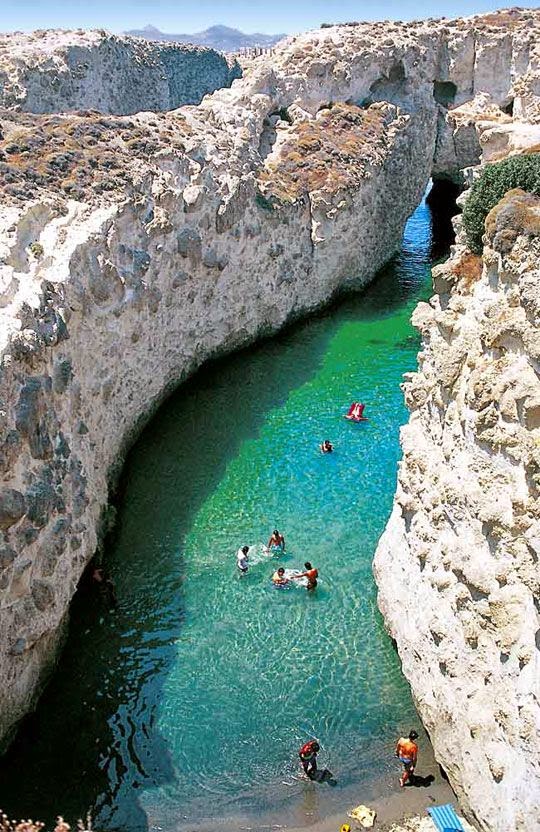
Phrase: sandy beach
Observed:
(318, 808)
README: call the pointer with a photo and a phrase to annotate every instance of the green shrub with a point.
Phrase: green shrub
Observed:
(490, 187)
(37, 250)
(263, 202)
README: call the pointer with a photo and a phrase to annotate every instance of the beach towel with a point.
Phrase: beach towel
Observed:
(445, 818)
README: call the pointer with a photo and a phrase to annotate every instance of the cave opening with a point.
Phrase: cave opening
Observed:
(442, 202)
(444, 93)
(508, 108)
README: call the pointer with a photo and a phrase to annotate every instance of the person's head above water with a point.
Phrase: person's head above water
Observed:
(245, 549)
(308, 565)
(413, 735)
(315, 745)
(275, 533)
(281, 571)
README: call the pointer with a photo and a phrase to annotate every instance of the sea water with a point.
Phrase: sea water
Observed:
(191, 698)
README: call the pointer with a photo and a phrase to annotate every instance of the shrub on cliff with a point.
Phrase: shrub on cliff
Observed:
(490, 187)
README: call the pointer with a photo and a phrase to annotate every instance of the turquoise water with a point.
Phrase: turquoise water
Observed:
(191, 698)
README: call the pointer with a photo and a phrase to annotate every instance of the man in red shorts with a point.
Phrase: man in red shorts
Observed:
(407, 752)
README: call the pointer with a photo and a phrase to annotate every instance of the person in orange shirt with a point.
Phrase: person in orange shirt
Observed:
(407, 752)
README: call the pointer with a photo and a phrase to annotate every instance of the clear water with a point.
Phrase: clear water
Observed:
(191, 699)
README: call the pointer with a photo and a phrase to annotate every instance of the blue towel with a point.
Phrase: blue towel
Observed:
(445, 819)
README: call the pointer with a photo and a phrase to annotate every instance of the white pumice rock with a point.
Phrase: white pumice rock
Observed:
(475, 441)
(53, 71)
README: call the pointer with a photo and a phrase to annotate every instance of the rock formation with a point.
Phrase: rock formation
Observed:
(135, 248)
(457, 567)
(62, 71)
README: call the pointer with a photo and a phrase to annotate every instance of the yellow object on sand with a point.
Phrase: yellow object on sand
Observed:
(345, 828)
(364, 815)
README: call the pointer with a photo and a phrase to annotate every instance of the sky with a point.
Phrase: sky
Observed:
(289, 16)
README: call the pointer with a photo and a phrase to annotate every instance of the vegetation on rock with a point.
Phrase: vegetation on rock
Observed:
(331, 152)
(491, 186)
(80, 155)
(517, 213)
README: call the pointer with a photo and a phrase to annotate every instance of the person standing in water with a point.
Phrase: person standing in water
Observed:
(326, 447)
(278, 578)
(407, 752)
(311, 574)
(277, 542)
(242, 559)
(308, 757)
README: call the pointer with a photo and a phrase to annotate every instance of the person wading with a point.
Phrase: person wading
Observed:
(308, 757)
(311, 574)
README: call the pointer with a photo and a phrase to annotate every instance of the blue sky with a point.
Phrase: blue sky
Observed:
(249, 15)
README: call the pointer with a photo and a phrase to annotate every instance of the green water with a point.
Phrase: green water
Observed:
(190, 700)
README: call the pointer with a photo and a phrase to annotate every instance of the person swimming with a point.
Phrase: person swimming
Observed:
(276, 543)
(242, 559)
(278, 578)
(356, 412)
(326, 447)
(311, 574)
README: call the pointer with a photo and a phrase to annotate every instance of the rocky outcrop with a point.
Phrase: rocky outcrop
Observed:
(53, 71)
(134, 249)
(457, 567)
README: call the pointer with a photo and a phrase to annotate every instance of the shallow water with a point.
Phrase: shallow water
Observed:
(191, 699)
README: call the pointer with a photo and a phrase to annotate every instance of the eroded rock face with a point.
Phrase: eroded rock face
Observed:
(54, 71)
(154, 242)
(457, 567)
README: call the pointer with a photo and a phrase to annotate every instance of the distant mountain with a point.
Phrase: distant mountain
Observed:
(218, 37)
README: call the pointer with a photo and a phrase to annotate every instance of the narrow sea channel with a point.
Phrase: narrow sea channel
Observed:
(189, 701)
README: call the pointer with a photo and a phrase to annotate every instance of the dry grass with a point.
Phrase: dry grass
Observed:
(78, 155)
(331, 152)
(468, 270)
(507, 18)
(518, 213)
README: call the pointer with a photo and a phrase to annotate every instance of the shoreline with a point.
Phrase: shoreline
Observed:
(311, 812)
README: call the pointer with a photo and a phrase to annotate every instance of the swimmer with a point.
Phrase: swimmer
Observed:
(105, 586)
(356, 412)
(311, 574)
(326, 447)
(278, 578)
(242, 559)
(276, 542)
(407, 752)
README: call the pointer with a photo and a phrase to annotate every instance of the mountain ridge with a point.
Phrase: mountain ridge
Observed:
(224, 38)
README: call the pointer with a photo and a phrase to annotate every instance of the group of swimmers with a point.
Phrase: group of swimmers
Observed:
(276, 546)
(280, 579)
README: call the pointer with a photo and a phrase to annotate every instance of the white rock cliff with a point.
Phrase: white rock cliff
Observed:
(457, 566)
(61, 71)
